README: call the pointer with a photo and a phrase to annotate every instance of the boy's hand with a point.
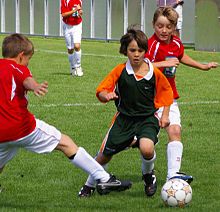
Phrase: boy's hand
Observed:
(172, 62)
(80, 12)
(164, 122)
(78, 7)
(111, 96)
(105, 96)
(41, 89)
(212, 65)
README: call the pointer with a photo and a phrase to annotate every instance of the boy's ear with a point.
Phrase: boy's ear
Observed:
(20, 56)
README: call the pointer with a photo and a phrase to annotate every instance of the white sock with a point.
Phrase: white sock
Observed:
(174, 157)
(147, 166)
(71, 60)
(90, 180)
(77, 56)
(84, 161)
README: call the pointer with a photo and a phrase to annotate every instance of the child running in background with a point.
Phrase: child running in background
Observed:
(166, 52)
(138, 90)
(20, 129)
(71, 12)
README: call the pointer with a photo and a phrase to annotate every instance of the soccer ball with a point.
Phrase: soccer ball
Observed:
(176, 193)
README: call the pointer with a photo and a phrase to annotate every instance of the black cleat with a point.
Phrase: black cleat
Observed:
(86, 191)
(113, 184)
(183, 176)
(150, 184)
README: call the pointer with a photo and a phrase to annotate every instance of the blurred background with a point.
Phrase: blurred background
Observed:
(108, 19)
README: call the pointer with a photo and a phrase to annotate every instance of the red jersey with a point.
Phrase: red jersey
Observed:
(68, 5)
(15, 119)
(160, 51)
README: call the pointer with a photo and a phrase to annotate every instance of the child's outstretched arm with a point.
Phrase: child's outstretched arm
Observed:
(39, 89)
(105, 96)
(187, 60)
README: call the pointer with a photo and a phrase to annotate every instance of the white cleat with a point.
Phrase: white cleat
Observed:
(79, 71)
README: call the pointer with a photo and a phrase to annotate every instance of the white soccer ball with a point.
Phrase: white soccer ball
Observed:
(176, 193)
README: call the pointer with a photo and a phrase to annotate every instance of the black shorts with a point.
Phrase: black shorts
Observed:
(125, 128)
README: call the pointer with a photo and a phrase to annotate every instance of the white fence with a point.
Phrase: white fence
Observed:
(102, 19)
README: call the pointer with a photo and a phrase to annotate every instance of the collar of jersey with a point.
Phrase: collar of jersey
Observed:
(148, 76)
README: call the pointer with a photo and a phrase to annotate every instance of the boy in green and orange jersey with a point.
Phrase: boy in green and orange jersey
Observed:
(138, 90)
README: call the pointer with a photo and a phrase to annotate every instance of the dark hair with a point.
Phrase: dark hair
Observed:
(14, 44)
(133, 34)
(167, 12)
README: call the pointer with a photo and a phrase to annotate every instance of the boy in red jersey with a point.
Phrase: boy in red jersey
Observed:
(71, 11)
(20, 129)
(166, 51)
(138, 90)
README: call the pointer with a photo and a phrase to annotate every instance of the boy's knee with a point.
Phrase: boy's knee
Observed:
(67, 145)
(148, 154)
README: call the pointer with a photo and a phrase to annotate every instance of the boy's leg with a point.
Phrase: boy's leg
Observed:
(46, 138)
(71, 57)
(77, 37)
(79, 157)
(7, 152)
(148, 156)
(88, 189)
(174, 147)
(174, 150)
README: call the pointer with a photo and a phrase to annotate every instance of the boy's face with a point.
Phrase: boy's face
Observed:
(163, 29)
(135, 54)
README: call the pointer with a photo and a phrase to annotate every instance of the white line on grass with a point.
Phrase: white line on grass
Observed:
(84, 54)
(199, 103)
(100, 104)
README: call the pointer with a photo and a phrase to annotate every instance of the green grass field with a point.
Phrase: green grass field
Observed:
(50, 183)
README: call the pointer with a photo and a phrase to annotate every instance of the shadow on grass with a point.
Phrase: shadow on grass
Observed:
(61, 73)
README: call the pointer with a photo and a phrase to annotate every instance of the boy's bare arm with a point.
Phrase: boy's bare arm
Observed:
(171, 62)
(187, 60)
(39, 89)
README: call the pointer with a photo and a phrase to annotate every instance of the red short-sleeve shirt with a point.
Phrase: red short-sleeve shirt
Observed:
(15, 119)
(68, 5)
(159, 51)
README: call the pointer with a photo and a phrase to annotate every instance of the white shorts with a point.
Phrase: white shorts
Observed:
(72, 34)
(174, 114)
(43, 139)
(179, 10)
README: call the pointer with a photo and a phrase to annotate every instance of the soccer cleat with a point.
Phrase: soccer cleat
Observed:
(79, 71)
(113, 184)
(73, 71)
(183, 176)
(86, 191)
(150, 184)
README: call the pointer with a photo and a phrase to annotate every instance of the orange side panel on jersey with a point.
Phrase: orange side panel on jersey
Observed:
(164, 92)
(106, 136)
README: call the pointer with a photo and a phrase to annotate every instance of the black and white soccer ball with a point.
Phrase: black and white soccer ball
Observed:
(176, 193)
